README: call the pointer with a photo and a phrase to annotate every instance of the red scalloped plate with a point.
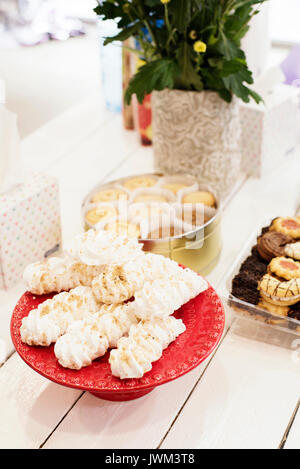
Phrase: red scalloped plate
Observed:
(203, 317)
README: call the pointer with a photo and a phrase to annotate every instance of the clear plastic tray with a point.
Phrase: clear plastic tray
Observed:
(254, 322)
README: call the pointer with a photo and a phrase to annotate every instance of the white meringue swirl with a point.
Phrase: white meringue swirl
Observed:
(58, 274)
(103, 247)
(52, 318)
(118, 283)
(78, 349)
(90, 338)
(145, 344)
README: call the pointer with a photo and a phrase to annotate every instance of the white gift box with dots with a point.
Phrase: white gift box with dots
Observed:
(270, 130)
(30, 226)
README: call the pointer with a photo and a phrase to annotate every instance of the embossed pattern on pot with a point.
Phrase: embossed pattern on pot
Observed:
(197, 133)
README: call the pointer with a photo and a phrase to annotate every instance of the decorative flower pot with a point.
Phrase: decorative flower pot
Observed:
(197, 133)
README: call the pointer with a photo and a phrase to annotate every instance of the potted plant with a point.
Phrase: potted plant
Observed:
(196, 70)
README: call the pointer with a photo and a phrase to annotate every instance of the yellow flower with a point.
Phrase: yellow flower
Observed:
(140, 63)
(193, 35)
(200, 47)
(165, 1)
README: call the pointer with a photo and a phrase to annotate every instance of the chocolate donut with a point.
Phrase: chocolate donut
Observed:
(272, 244)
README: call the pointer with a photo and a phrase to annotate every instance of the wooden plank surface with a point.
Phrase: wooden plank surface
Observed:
(31, 406)
(244, 364)
(293, 437)
(244, 400)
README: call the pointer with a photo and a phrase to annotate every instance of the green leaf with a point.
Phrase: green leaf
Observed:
(212, 80)
(229, 48)
(257, 98)
(180, 11)
(225, 94)
(235, 85)
(152, 3)
(232, 66)
(125, 34)
(157, 75)
(189, 78)
(216, 62)
(199, 4)
(109, 11)
(246, 75)
(249, 2)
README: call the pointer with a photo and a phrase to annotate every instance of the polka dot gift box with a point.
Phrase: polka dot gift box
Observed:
(30, 226)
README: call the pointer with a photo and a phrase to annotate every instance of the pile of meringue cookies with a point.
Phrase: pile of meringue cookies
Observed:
(109, 294)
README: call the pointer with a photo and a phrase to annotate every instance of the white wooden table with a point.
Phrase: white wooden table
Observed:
(245, 396)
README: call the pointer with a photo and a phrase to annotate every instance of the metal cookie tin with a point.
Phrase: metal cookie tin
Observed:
(198, 249)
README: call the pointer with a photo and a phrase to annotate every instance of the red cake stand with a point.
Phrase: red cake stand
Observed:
(203, 317)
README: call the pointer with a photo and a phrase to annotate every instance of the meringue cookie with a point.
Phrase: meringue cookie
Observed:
(39, 330)
(52, 318)
(118, 283)
(115, 323)
(155, 299)
(155, 266)
(90, 338)
(145, 344)
(78, 349)
(102, 248)
(195, 282)
(58, 274)
(160, 267)
(164, 296)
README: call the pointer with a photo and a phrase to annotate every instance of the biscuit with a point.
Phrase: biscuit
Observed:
(98, 214)
(272, 244)
(289, 226)
(150, 198)
(285, 268)
(293, 251)
(109, 195)
(205, 198)
(278, 292)
(273, 309)
(139, 183)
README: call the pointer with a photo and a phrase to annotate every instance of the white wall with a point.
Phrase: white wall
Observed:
(285, 20)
